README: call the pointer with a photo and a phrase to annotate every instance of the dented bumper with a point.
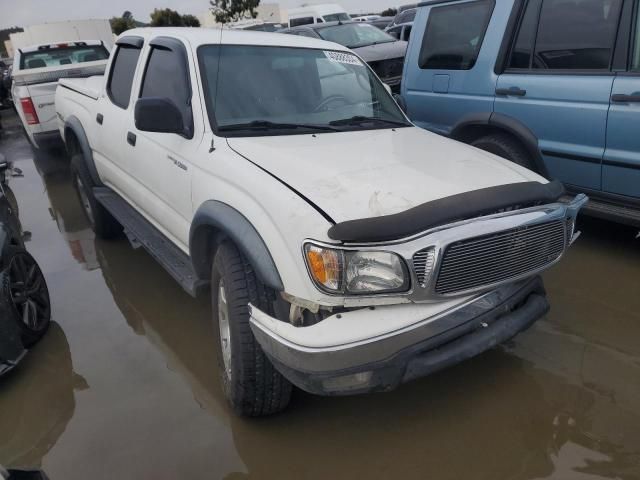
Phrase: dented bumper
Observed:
(383, 362)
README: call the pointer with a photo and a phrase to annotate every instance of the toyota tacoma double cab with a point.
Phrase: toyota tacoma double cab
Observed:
(345, 250)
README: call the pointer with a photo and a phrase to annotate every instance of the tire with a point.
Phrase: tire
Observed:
(251, 383)
(102, 222)
(24, 291)
(505, 146)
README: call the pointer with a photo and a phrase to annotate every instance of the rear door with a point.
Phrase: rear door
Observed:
(558, 81)
(447, 71)
(112, 113)
(621, 165)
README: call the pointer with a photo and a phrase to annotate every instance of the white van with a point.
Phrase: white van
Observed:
(326, 12)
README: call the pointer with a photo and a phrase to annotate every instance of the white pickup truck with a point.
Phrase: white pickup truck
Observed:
(345, 250)
(36, 70)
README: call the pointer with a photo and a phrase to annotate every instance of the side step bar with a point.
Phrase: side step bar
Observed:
(142, 233)
(610, 211)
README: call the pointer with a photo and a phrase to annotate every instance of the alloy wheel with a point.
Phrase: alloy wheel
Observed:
(28, 290)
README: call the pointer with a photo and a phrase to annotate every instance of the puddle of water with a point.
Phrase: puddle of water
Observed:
(125, 383)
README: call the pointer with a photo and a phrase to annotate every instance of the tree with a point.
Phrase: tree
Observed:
(122, 24)
(389, 12)
(190, 21)
(227, 11)
(165, 18)
(4, 35)
(170, 18)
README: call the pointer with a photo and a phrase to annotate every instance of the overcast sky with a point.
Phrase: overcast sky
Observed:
(29, 12)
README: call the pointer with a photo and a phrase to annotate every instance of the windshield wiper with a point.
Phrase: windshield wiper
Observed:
(267, 125)
(360, 119)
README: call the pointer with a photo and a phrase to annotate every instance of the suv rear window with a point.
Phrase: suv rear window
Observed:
(65, 54)
(454, 35)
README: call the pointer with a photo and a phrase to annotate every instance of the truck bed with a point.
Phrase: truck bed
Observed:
(89, 87)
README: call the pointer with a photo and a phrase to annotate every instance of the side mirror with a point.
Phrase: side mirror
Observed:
(154, 114)
(387, 88)
(402, 103)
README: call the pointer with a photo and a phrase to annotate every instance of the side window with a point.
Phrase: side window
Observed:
(454, 35)
(578, 35)
(635, 60)
(523, 46)
(166, 76)
(121, 75)
(296, 22)
(406, 33)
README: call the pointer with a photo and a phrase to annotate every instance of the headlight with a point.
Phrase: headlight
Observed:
(356, 272)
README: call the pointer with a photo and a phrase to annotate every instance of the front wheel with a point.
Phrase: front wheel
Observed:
(23, 286)
(251, 383)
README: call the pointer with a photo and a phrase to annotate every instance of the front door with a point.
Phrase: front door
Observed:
(163, 168)
(558, 82)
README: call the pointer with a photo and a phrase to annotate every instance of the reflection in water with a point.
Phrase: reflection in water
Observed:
(66, 209)
(562, 400)
(37, 401)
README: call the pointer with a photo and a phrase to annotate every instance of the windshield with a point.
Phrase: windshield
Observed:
(62, 55)
(276, 89)
(336, 17)
(354, 35)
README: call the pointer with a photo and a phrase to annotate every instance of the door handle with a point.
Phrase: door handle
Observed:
(621, 98)
(511, 92)
(131, 139)
(99, 118)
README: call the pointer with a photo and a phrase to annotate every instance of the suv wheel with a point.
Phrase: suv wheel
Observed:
(251, 383)
(24, 288)
(505, 146)
(102, 222)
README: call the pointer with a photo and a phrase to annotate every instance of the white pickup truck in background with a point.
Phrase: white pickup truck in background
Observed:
(36, 70)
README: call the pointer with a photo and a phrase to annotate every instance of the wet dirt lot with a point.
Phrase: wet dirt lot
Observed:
(124, 385)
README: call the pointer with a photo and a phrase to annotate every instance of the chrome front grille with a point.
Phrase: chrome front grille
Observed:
(473, 263)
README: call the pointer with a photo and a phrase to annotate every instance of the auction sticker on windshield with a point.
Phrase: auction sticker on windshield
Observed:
(340, 57)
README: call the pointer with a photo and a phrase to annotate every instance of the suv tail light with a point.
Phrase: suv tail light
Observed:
(29, 111)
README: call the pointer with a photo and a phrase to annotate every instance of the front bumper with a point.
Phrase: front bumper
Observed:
(383, 362)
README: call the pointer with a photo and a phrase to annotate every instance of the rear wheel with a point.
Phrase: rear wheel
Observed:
(505, 146)
(24, 287)
(102, 222)
(251, 383)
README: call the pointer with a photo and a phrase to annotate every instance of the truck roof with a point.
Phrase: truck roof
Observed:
(209, 36)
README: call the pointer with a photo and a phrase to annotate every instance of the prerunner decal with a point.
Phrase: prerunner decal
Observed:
(342, 57)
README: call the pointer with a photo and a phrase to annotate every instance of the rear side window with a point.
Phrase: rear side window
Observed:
(454, 35)
(121, 75)
(576, 35)
(635, 61)
(523, 46)
(296, 22)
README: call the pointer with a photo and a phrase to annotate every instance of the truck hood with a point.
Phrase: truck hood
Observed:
(352, 175)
